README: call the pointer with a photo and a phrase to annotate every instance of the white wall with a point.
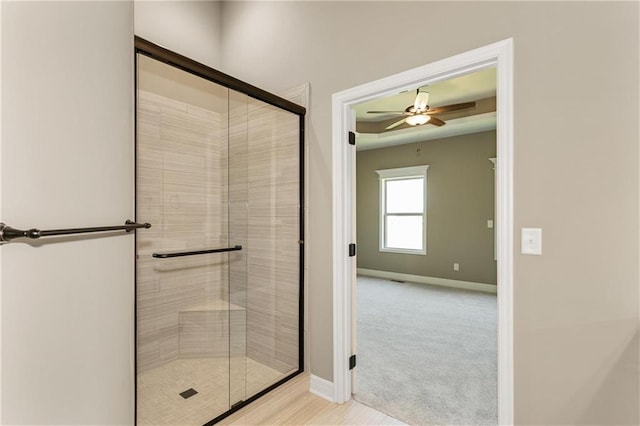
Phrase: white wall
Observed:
(67, 161)
(576, 168)
(1, 132)
(191, 28)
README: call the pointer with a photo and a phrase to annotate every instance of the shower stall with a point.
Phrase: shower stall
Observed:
(219, 174)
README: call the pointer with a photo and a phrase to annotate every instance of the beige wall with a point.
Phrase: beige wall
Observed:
(67, 161)
(460, 187)
(576, 169)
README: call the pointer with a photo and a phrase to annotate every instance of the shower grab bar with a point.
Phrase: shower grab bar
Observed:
(8, 233)
(193, 253)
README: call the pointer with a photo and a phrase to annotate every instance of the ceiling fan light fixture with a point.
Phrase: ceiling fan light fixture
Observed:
(417, 120)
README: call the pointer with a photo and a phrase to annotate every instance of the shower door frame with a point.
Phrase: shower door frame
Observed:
(159, 53)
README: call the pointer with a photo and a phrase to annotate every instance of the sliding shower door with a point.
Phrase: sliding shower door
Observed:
(218, 294)
(264, 218)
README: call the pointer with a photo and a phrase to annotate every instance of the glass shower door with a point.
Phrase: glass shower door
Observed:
(218, 276)
(264, 217)
(183, 309)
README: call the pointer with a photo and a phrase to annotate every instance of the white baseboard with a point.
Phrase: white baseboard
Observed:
(488, 288)
(321, 387)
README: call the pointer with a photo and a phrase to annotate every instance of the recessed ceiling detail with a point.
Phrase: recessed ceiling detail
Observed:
(466, 104)
(466, 109)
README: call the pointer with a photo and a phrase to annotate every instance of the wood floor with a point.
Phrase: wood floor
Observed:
(293, 404)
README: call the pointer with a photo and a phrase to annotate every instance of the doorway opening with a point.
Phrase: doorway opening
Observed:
(426, 314)
(498, 55)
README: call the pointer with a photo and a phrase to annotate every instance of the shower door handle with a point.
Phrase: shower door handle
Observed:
(196, 252)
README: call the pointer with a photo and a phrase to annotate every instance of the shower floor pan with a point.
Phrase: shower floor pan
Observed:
(159, 389)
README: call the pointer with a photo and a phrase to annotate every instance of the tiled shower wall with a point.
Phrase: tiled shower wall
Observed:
(182, 192)
(217, 179)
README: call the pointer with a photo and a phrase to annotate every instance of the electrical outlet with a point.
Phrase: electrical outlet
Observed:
(456, 266)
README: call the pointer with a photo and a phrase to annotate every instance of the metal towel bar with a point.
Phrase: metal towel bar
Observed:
(193, 253)
(8, 233)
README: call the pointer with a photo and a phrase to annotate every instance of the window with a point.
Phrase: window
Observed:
(403, 210)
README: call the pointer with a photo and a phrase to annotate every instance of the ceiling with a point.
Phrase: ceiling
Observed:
(479, 86)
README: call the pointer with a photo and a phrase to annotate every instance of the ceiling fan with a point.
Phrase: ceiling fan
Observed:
(421, 113)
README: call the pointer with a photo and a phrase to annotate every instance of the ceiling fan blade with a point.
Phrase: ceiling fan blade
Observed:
(452, 107)
(436, 121)
(394, 125)
(385, 112)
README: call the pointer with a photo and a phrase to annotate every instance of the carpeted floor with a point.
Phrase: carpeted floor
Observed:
(427, 354)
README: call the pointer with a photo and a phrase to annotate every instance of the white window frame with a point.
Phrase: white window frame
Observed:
(401, 173)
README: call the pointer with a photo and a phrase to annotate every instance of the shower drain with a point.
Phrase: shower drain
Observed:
(188, 393)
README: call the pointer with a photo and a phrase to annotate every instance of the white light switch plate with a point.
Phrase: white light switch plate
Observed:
(531, 241)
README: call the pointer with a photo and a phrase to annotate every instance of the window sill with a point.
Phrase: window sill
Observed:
(403, 251)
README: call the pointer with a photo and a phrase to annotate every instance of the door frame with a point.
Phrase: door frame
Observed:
(500, 55)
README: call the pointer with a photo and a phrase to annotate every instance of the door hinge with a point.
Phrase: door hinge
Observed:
(352, 249)
(352, 362)
(352, 138)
